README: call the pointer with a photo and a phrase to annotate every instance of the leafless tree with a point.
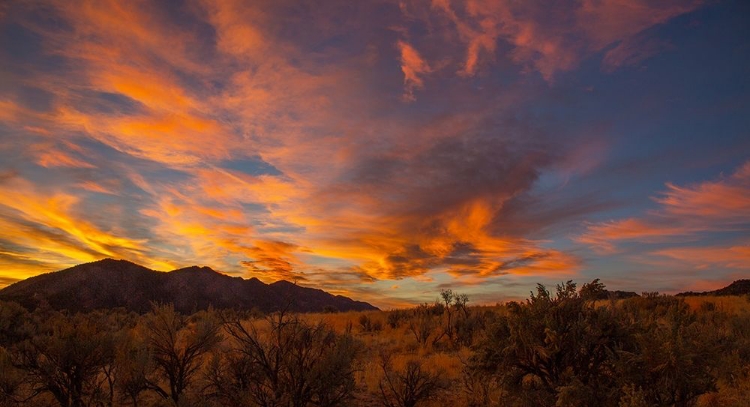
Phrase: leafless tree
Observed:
(177, 345)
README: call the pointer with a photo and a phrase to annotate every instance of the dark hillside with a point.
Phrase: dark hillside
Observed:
(108, 284)
(739, 287)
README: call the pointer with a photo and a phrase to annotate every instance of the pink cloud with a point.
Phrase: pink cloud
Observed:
(631, 52)
(685, 212)
(726, 200)
(413, 67)
(734, 256)
(549, 39)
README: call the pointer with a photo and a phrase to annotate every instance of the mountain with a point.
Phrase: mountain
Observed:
(118, 283)
(739, 287)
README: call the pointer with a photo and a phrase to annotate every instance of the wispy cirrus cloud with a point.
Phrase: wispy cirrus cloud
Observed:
(46, 224)
(731, 256)
(413, 67)
(274, 260)
(52, 159)
(687, 216)
(548, 39)
(725, 201)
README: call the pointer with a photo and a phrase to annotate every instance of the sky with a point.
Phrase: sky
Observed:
(382, 150)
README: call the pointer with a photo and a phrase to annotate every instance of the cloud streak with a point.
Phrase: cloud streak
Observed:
(413, 67)
(686, 217)
(549, 40)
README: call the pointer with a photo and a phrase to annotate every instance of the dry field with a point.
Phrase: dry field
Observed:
(556, 349)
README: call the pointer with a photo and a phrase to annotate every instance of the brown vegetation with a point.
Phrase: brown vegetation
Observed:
(561, 348)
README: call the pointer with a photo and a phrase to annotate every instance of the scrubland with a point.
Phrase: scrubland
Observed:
(564, 347)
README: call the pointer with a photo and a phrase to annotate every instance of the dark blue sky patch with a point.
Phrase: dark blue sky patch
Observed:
(22, 49)
(251, 166)
(93, 102)
(35, 99)
(255, 208)
(19, 43)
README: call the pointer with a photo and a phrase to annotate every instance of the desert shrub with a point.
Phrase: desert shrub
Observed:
(410, 386)
(15, 323)
(65, 357)
(287, 362)
(134, 366)
(564, 350)
(468, 327)
(738, 371)
(708, 306)
(423, 323)
(677, 357)
(370, 325)
(456, 317)
(15, 384)
(633, 397)
(396, 318)
(478, 388)
(649, 305)
(556, 350)
(177, 345)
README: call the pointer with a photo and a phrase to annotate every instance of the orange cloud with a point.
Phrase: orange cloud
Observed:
(171, 135)
(202, 230)
(46, 225)
(213, 229)
(722, 205)
(603, 235)
(58, 153)
(734, 257)
(273, 261)
(480, 40)
(550, 40)
(725, 200)
(158, 92)
(227, 186)
(50, 159)
(413, 67)
(238, 28)
(459, 241)
(608, 21)
(121, 34)
(95, 187)
(136, 54)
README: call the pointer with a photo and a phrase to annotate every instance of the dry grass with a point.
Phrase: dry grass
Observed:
(732, 305)
(447, 359)
(402, 347)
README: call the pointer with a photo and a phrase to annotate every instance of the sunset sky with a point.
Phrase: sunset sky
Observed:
(381, 150)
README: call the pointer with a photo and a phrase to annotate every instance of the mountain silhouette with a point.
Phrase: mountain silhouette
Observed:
(738, 287)
(109, 283)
